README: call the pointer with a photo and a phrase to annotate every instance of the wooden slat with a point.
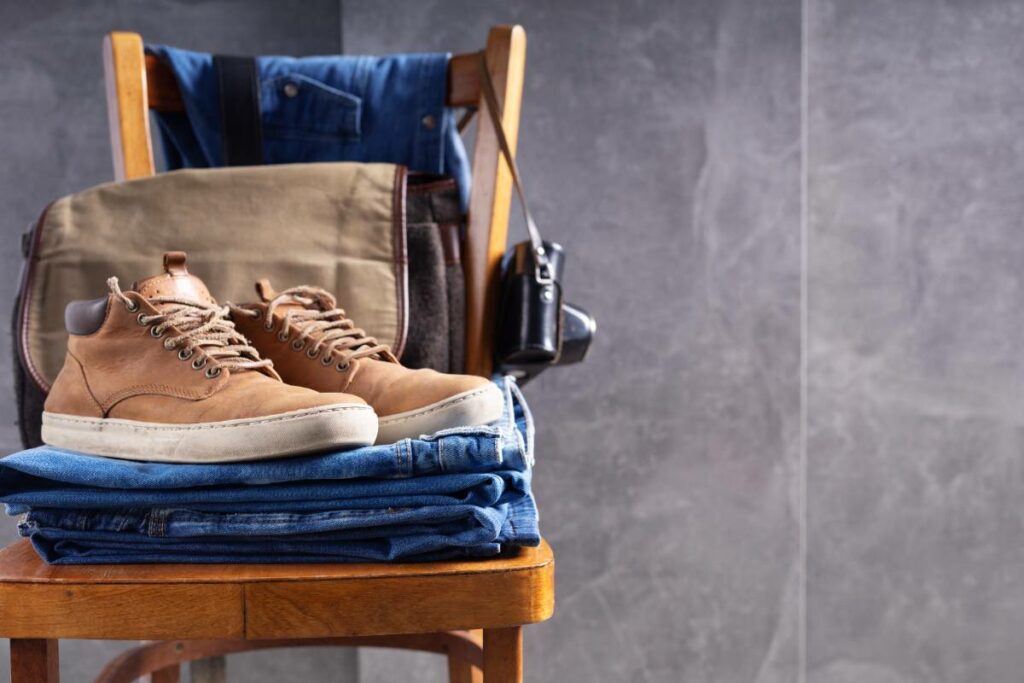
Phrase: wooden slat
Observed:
(34, 661)
(489, 204)
(127, 612)
(464, 80)
(371, 607)
(127, 105)
(164, 94)
(503, 655)
(163, 602)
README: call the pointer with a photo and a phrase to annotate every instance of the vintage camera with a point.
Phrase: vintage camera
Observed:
(536, 329)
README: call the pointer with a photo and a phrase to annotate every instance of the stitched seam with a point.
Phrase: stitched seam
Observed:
(85, 382)
(165, 389)
(401, 257)
(24, 303)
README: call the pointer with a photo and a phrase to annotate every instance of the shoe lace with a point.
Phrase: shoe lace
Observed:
(319, 321)
(202, 327)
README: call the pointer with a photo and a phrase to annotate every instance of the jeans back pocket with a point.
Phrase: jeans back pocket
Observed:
(297, 107)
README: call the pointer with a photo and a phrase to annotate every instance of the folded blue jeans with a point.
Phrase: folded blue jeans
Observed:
(183, 536)
(460, 492)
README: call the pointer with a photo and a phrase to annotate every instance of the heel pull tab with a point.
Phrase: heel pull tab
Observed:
(264, 290)
(174, 263)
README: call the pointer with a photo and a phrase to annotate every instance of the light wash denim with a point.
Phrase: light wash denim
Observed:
(332, 108)
(460, 492)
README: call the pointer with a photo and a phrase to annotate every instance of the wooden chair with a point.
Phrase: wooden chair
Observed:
(198, 613)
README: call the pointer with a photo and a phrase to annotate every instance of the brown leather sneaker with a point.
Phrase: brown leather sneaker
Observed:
(313, 344)
(160, 373)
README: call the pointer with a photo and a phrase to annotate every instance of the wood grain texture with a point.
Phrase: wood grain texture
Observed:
(379, 606)
(162, 602)
(503, 655)
(462, 669)
(127, 105)
(489, 203)
(125, 611)
(162, 87)
(464, 80)
(34, 661)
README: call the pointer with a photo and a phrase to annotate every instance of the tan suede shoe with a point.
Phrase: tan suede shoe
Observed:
(313, 344)
(160, 373)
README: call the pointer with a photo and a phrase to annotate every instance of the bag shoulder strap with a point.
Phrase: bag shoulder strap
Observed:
(240, 124)
(544, 273)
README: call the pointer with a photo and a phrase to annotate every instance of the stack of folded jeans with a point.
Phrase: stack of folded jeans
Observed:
(462, 492)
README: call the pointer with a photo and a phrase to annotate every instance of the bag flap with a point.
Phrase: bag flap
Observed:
(340, 226)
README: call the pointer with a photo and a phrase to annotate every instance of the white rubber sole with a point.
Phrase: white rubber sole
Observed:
(292, 433)
(470, 408)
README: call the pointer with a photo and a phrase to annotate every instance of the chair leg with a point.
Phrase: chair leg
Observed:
(461, 671)
(503, 655)
(170, 674)
(34, 660)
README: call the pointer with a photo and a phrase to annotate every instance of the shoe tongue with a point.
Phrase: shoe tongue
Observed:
(265, 291)
(175, 282)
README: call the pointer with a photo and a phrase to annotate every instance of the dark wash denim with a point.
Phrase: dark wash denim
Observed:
(460, 492)
(333, 108)
(192, 537)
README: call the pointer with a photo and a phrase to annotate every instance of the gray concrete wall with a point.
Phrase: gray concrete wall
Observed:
(794, 452)
(915, 441)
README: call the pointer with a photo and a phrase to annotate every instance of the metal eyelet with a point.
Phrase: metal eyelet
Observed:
(298, 345)
(341, 367)
(311, 352)
(199, 363)
(212, 372)
(132, 306)
(169, 345)
(282, 337)
(155, 331)
(257, 314)
(184, 354)
(326, 360)
(140, 317)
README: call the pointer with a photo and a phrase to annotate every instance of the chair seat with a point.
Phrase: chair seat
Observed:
(246, 601)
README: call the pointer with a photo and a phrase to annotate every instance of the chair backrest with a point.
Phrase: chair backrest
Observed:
(136, 82)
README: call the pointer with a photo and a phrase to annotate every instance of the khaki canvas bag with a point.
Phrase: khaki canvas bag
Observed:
(340, 226)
